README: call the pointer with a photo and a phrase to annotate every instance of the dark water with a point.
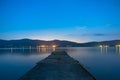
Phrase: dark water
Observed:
(103, 63)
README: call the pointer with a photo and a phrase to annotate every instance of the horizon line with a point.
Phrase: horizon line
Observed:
(58, 39)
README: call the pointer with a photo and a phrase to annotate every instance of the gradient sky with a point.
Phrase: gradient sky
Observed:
(74, 20)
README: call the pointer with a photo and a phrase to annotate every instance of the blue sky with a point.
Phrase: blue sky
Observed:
(74, 20)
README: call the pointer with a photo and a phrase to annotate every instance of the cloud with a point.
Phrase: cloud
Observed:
(94, 34)
(101, 34)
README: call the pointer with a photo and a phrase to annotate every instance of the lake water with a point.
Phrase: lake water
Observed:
(103, 63)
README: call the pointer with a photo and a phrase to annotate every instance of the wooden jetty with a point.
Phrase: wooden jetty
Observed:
(58, 66)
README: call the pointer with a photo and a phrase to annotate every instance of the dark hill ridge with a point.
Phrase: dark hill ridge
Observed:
(59, 43)
(34, 43)
(92, 44)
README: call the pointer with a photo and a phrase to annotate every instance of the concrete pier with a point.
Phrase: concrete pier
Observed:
(58, 66)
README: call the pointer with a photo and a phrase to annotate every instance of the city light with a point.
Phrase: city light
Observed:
(54, 46)
(106, 46)
(42, 46)
(100, 46)
(118, 45)
(103, 46)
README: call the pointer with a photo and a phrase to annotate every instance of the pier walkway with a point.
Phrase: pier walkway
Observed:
(58, 66)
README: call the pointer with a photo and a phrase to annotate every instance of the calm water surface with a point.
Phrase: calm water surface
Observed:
(103, 63)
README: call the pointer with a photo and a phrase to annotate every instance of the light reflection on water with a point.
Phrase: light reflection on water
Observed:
(118, 49)
(103, 63)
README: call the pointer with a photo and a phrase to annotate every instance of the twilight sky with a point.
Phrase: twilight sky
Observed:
(74, 20)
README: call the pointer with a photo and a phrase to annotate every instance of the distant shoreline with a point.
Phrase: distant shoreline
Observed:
(28, 43)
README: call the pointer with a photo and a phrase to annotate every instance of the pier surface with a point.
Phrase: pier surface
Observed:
(58, 66)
